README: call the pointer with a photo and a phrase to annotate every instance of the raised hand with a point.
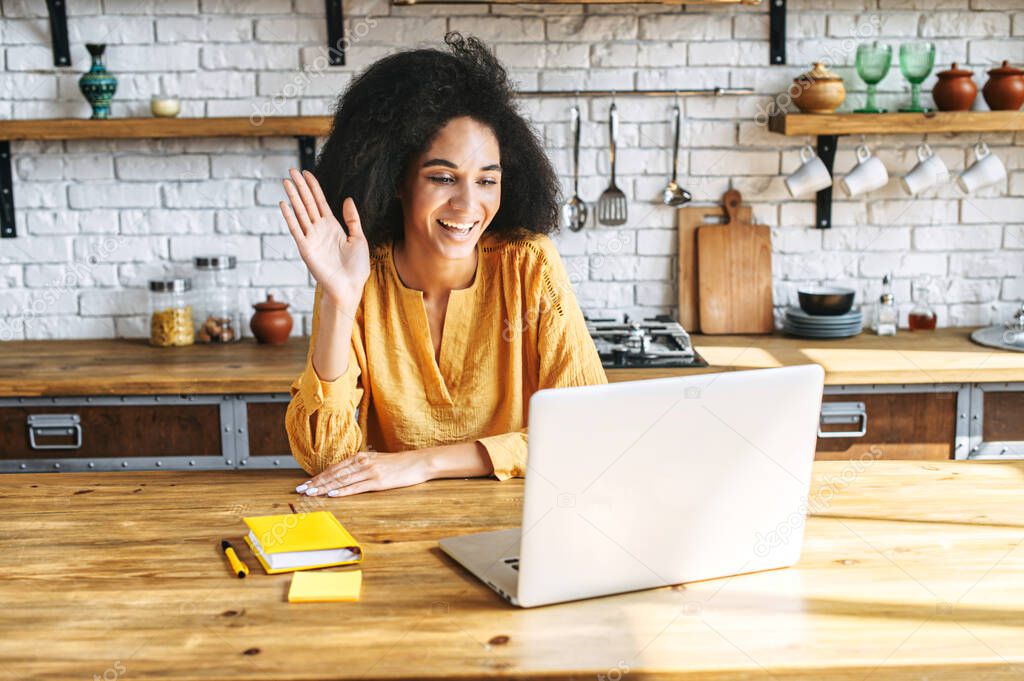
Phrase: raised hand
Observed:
(340, 263)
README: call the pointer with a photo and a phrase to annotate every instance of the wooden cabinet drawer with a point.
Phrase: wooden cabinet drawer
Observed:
(267, 435)
(997, 421)
(900, 425)
(1003, 416)
(114, 431)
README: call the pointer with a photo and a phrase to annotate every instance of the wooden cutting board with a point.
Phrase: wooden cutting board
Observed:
(689, 219)
(734, 272)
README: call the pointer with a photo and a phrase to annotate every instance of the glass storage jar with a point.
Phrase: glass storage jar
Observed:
(170, 312)
(922, 316)
(218, 313)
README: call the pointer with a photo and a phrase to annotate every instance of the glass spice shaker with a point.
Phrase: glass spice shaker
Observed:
(170, 312)
(886, 316)
(219, 316)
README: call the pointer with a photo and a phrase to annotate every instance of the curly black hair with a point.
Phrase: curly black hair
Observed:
(391, 112)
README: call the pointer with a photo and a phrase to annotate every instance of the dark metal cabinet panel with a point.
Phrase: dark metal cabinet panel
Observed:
(1003, 416)
(267, 435)
(900, 425)
(186, 430)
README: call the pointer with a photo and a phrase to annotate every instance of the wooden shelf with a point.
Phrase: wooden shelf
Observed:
(796, 124)
(304, 128)
(138, 128)
(401, 3)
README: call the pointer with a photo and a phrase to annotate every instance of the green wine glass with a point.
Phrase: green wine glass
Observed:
(916, 62)
(873, 62)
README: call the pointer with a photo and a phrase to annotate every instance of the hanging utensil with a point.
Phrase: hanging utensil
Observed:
(611, 208)
(674, 195)
(574, 211)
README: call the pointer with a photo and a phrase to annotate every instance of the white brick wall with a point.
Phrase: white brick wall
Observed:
(97, 219)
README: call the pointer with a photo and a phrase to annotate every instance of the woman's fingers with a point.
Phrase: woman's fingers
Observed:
(332, 478)
(356, 488)
(318, 193)
(324, 487)
(337, 473)
(351, 215)
(305, 194)
(293, 224)
(332, 488)
(298, 206)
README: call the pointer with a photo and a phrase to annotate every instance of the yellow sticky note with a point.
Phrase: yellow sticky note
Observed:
(314, 586)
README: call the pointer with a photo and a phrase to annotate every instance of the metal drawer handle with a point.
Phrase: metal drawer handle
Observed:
(54, 425)
(833, 413)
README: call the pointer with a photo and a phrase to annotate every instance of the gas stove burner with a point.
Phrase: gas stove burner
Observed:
(652, 342)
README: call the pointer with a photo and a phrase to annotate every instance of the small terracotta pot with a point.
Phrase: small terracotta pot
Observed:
(818, 90)
(271, 322)
(1004, 90)
(955, 90)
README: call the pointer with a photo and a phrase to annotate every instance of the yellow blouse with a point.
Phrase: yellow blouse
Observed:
(516, 329)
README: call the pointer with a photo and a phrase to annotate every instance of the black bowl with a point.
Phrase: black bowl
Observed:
(826, 300)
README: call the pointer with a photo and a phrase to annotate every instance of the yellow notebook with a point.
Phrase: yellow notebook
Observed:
(300, 541)
(325, 587)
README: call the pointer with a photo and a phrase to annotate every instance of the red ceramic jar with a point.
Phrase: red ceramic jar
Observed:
(271, 322)
(1004, 90)
(955, 90)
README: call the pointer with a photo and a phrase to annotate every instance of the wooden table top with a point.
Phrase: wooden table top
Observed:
(909, 570)
(133, 367)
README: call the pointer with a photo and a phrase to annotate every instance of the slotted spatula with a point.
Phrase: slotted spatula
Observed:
(611, 207)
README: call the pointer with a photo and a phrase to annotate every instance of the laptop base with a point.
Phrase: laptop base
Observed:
(493, 557)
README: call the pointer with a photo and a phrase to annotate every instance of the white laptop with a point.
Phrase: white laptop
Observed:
(658, 482)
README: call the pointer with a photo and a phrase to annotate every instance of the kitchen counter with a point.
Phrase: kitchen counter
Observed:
(907, 572)
(131, 366)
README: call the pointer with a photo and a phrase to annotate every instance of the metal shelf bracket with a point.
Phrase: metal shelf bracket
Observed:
(777, 31)
(827, 153)
(59, 32)
(336, 42)
(307, 152)
(7, 228)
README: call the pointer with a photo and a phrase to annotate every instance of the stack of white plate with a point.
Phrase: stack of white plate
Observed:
(799, 323)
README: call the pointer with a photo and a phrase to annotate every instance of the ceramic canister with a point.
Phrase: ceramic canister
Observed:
(955, 89)
(818, 90)
(1004, 90)
(271, 322)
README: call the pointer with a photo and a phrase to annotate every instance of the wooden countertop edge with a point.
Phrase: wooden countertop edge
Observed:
(115, 367)
(216, 386)
(131, 478)
(207, 386)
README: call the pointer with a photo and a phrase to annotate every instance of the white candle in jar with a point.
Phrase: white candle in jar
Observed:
(164, 106)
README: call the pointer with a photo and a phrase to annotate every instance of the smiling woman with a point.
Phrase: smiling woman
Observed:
(441, 304)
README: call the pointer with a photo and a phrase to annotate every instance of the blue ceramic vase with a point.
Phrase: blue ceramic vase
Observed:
(98, 85)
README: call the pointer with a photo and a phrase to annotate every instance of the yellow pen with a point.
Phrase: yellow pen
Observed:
(237, 566)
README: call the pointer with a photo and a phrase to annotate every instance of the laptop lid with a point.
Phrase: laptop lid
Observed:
(650, 483)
